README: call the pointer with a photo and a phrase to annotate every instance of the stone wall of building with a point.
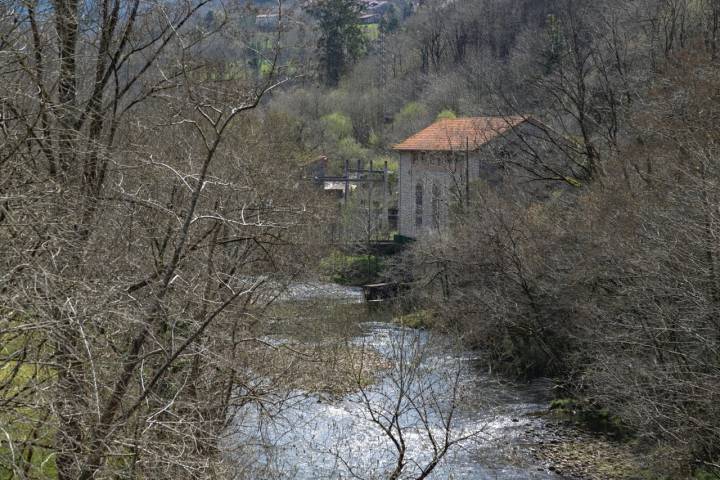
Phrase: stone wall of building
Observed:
(406, 225)
(506, 164)
(442, 177)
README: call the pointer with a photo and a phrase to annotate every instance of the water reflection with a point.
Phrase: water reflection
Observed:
(306, 436)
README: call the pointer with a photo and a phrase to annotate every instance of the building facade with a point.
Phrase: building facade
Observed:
(440, 163)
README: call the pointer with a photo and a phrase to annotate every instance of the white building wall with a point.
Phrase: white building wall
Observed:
(490, 163)
(429, 169)
(406, 201)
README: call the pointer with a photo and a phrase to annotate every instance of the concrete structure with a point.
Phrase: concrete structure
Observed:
(337, 188)
(370, 18)
(439, 164)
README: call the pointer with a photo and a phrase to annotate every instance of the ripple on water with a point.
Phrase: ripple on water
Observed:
(312, 438)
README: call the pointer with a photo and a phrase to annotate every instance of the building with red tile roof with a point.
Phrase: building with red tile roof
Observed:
(438, 163)
(459, 133)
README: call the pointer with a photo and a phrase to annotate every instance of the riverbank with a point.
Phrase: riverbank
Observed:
(320, 425)
(519, 436)
(575, 454)
(554, 441)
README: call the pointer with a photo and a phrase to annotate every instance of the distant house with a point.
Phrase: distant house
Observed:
(337, 189)
(373, 11)
(436, 163)
(377, 6)
(370, 18)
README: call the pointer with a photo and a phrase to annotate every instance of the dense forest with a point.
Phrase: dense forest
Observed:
(155, 206)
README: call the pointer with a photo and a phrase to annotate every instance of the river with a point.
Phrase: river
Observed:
(428, 394)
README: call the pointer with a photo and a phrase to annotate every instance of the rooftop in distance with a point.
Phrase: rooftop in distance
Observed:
(459, 133)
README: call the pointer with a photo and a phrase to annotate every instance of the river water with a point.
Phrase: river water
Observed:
(428, 394)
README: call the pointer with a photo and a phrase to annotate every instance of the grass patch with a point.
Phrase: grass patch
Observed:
(333, 369)
(351, 269)
(310, 347)
(590, 417)
(25, 427)
(421, 319)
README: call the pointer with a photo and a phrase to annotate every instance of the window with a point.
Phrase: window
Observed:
(436, 206)
(418, 205)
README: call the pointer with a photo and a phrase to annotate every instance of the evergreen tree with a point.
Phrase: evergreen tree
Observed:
(389, 22)
(341, 37)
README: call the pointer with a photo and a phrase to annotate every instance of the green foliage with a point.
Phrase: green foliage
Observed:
(573, 181)
(589, 416)
(349, 149)
(446, 114)
(412, 111)
(351, 269)
(374, 140)
(562, 403)
(22, 422)
(389, 22)
(392, 163)
(413, 116)
(266, 67)
(371, 31)
(342, 38)
(337, 125)
(706, 475)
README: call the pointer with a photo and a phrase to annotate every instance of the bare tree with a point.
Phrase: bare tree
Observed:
(133, 233)
(415, 407)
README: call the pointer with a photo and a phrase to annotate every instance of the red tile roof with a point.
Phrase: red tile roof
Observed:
(452, 134)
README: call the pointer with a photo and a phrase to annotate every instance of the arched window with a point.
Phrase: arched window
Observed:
(436, 206)
(418, 205)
